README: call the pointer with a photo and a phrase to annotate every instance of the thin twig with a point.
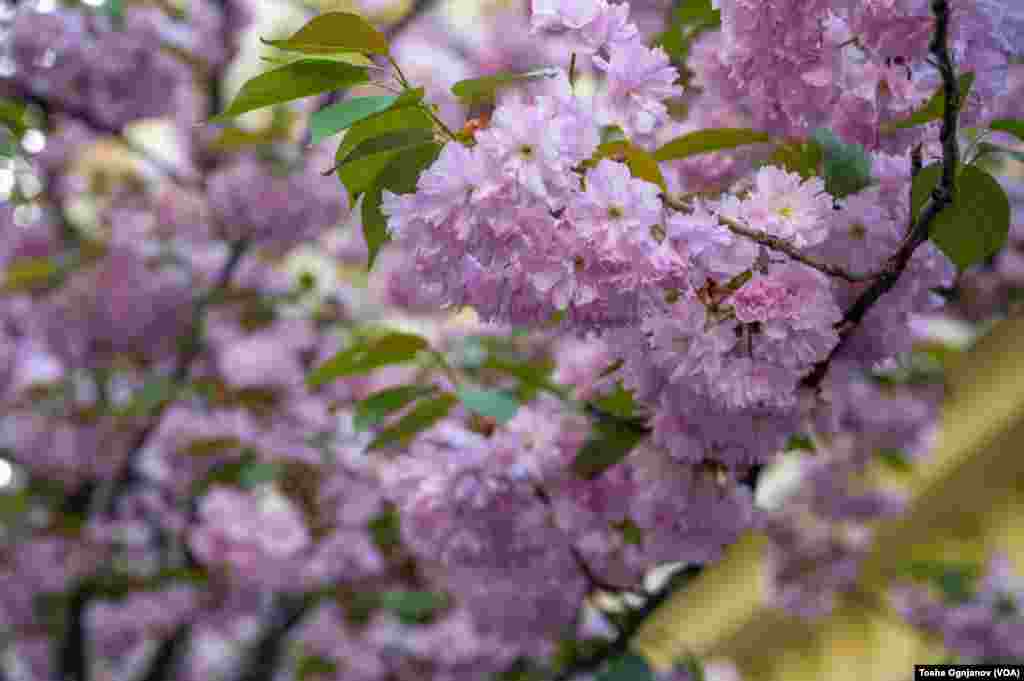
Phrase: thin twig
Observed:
(777, 244)
(941, 197)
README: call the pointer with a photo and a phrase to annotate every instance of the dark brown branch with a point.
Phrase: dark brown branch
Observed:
(942, 196)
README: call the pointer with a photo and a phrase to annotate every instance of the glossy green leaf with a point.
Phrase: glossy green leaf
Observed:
(712, 139)
(631, 533)
(619, 402)
(414, 606)
(29, 274)
(921, 189)
(335, 32)
(1014, 126)
(423, 416)
(627, 667)
(337, 117)
(690, 18)
(956, 580)
(363, 357)
(154, 393)
(261, 473)
(296, 80)
(378, 406)
(609, 443)
(847, 166)
(478, 90)
(385, 529)
(496, 404)
(7, 147)
(976, 226)
(395, 119)
(799, 442)
(399, 176)
(368, 162)
(313, 667)
(375, 225)
(932, 109)
(641, 163)
(895, 459)
(802, 158)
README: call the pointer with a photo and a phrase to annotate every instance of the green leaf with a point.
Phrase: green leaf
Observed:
(803, 158)
(335, 32)
(619, 403)
(627, 667)
(932, 109)
(712, 139)
(689, 19)
(257, 474)
(395, 119)
(414, 606)
(921, 189)
(315, 667)
(376, 407)
(985, 148)
(896, 459)
(641, 164)
(534, 376)
(612, 133)
(7, 146)
(423, 416)
(375, 225)
(386, 529)
(478, 90)
(847, 166)
(496, 404)
(1014, 126)
(690, 12)
(975, 227)
(631, 533)
(608, 444)
(366, 163)
(956, 581)
(799, 441)
(400, 176)
(29, 274)
(115, 10)
(335, 118)
(363, 357)
(154, 392)
(296, 80)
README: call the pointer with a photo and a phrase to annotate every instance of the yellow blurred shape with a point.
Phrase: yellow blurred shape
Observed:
(965, 503)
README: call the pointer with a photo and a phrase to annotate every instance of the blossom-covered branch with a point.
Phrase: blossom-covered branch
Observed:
(776, 244)
(941, 197)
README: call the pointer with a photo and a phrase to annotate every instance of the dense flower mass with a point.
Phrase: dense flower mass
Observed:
(227, 453)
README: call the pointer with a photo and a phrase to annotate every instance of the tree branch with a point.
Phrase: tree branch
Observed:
(777, 244)
(635, 618)
(942, 196)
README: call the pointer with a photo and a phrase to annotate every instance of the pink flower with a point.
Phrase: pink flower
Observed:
(784, 205)
(595, 24)
(760, 299)
(640, 79)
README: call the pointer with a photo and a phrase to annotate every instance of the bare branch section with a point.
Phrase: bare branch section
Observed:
(942, 196)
